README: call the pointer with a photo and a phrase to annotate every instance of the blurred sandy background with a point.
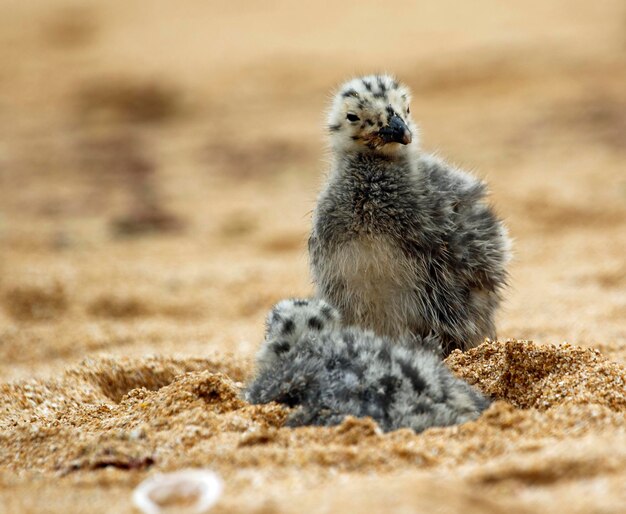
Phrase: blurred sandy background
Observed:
(159, 162)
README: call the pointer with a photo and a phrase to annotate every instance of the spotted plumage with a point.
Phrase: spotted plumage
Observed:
(403, 243)
(332, 372)
(288, 320)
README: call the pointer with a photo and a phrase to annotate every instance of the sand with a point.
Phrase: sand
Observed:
(158, 167)
(108, 422)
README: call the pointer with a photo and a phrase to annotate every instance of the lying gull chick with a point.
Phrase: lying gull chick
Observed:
(310, 362)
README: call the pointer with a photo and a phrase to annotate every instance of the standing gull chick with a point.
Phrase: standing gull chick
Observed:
(403, 243)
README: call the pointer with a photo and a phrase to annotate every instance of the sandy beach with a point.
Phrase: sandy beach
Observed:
(159, 163)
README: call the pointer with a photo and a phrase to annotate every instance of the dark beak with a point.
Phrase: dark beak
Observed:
(396, 131)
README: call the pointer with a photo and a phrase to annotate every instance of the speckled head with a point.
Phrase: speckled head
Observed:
(372, 114)
(288, 321)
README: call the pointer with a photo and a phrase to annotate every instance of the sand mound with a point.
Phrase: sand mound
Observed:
(100, 382)
(528, 375)
(122, 417)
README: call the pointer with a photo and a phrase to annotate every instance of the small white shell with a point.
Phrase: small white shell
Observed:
(189, 490)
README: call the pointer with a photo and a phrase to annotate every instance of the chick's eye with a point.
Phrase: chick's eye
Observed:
(352, 117)
(408, 109)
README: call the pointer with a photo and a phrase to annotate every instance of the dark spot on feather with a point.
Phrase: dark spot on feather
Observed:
(390, 385)
(280, 347)
(412, 374)
(315, 323)
(381, 85)
(291, 397)
(339, 361)
(348, 338)
(420, 408)
(349, 341)
(384, 354)
(327, 312)
(288, 327)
